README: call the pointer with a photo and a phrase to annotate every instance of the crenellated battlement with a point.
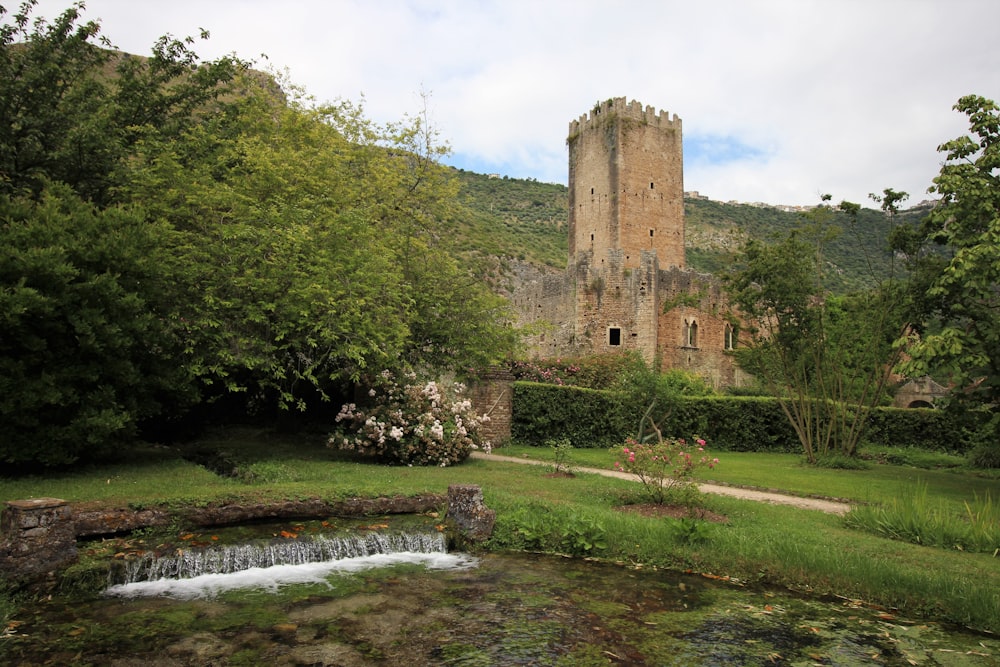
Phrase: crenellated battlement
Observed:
(622, 108)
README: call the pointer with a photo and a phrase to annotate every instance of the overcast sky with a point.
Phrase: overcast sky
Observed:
(781, 100)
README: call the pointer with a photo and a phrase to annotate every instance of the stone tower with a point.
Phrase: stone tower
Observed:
(626, 184)
(626, 287)
(626, 221)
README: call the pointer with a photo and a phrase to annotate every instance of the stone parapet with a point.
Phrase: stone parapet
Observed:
(37, 537)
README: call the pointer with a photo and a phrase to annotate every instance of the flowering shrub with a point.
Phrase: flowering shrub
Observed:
(413, 423)
(665, 466)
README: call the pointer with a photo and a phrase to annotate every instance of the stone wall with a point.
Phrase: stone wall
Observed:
(493, 396)
(616, 306)
(689, 299)
(37, 538)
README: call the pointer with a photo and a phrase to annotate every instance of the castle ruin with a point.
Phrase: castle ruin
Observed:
(626, 286)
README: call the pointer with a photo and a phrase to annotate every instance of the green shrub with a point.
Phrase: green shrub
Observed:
(922, 428)
(411, 422)
(911, 456)
(736, 423)
(985, 456)
(595, 418)
(662, 465)
(584, 417)
(562, 454)
(914, 518)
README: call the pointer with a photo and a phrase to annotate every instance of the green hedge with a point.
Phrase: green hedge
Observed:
(596, 418)
(919, 427)
(587, 417)
(735, 423)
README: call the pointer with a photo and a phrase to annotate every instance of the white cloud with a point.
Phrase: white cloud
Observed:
(838, 96)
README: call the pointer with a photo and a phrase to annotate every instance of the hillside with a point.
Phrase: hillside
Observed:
(525, 219)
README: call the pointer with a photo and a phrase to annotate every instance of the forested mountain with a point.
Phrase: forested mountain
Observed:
(526, 219)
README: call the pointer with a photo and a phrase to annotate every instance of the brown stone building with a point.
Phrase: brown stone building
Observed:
(626, 286)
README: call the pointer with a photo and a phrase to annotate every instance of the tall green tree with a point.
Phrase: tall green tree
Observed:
(73, 107)
(313, 248)
(211, 231)
(84, 353)
(957, 267)
(828, 360)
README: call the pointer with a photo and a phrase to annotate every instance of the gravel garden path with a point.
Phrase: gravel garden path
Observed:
(819, 504)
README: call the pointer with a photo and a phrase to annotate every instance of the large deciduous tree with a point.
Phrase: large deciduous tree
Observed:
(172, 237)
(827, 359)
(958, 286)
(73, 107)
(84, 352)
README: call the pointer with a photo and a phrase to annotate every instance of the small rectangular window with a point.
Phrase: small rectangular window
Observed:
(614, 336)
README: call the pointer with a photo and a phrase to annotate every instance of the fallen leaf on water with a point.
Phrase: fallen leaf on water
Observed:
(189, 536)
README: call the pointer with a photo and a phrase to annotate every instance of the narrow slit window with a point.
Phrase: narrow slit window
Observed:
(650, 185)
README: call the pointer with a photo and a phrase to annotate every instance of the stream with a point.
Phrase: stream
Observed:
(434, 608)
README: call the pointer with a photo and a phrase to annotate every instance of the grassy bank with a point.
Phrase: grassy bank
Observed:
(760, 544)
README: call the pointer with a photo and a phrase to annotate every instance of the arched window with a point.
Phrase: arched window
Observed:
(729, 342)
(690, 333)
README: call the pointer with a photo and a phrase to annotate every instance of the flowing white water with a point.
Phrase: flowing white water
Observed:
(205, 573)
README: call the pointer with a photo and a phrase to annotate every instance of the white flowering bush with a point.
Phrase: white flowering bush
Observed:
(411, 422)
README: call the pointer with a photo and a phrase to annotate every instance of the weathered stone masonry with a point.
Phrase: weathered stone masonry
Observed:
(626, 286)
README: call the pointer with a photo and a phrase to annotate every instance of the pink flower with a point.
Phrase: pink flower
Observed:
(701, 442)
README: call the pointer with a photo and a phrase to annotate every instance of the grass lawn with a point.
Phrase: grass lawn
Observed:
(790, 474)
(761, 544)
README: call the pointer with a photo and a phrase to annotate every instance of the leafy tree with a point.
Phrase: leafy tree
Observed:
(312, 250)
(284, 247)
(827, 359)
(73, 110)
(958, 286)
(84, 353)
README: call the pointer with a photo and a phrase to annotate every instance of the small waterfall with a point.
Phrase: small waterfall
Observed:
(190, 563)
(230, 559)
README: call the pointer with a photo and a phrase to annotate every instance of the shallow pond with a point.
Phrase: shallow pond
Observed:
(493, 610)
